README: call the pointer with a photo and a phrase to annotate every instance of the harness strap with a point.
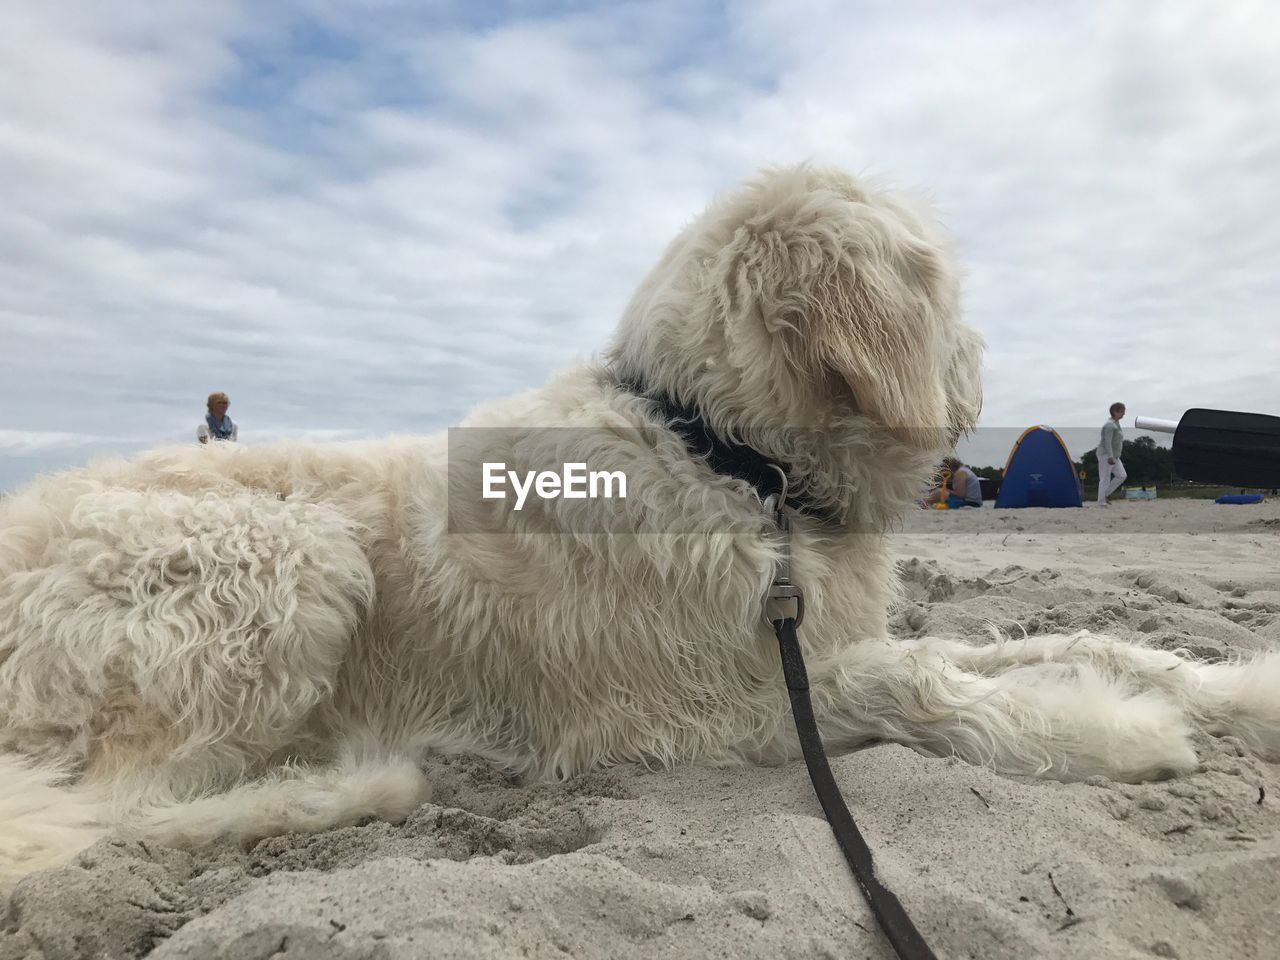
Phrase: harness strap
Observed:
(885, 906)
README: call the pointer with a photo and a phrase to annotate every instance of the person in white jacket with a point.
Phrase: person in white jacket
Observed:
(217, 425)
(1111, 472)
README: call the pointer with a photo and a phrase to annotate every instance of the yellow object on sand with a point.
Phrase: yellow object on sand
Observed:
(945, 477)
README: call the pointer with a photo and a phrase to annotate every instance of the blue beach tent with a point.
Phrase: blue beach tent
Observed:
(1039, 472)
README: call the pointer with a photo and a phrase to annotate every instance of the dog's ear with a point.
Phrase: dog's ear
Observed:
(859, 290)
(873, 319)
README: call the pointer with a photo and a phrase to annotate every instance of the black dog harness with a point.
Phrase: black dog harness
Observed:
(784, 610)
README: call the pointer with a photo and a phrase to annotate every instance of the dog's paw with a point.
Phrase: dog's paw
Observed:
(1089, 724)
(1243, 700)
(1141, 738)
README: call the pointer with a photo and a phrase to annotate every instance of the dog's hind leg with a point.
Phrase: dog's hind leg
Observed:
(181, 640)
(1237, 697)
(294, 798)
(164, 647)
(1067, 721)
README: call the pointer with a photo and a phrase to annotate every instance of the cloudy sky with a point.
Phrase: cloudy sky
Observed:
(363, 217)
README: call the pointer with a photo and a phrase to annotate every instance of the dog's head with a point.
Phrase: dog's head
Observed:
(808, 299)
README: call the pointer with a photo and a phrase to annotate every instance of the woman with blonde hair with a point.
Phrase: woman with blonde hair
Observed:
(217, 425)
(962, 489)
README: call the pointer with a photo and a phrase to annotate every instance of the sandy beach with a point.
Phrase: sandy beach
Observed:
(701, 863)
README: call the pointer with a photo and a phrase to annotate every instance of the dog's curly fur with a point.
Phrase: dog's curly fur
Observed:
(240, 641)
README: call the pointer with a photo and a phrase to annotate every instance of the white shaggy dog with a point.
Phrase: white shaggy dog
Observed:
(222, 641)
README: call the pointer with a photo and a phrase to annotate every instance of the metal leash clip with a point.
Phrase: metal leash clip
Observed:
(784, 600)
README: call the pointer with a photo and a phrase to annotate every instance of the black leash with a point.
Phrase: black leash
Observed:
(784, 609)
(888, 910)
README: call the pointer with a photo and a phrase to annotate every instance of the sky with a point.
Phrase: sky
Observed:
(362, 218)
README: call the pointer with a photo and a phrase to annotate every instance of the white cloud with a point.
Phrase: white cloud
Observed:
(26, 441)
(365, 219)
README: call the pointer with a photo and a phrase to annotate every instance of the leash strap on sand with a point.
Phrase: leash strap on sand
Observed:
(888, 910)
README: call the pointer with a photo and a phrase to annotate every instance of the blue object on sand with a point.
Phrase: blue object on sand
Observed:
(1240, 498)
(1039, 472)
